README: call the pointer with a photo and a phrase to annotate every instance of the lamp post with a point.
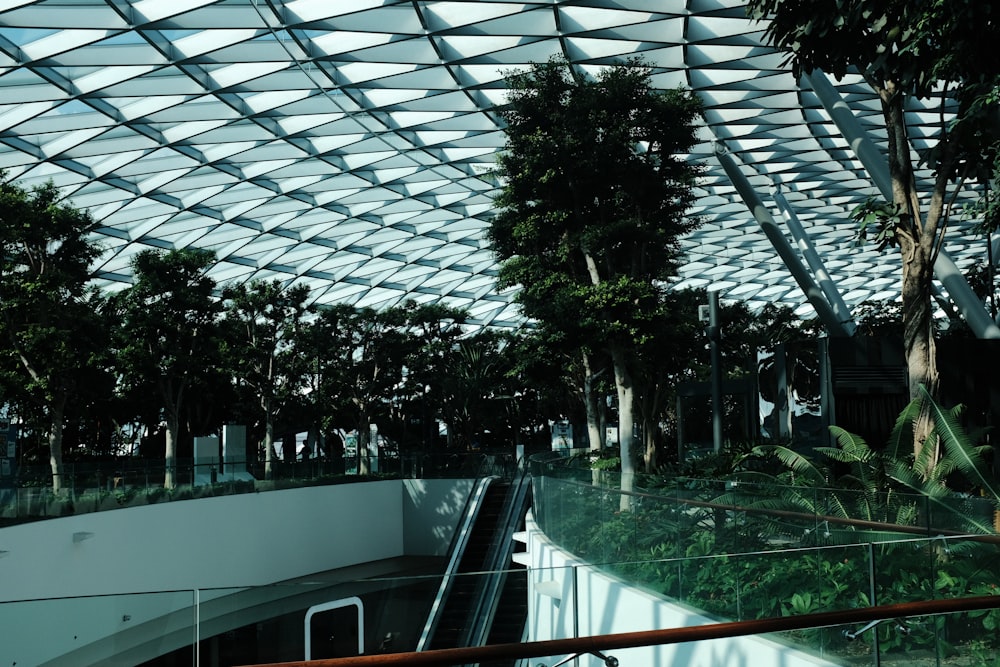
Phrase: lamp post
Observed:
(714, 335)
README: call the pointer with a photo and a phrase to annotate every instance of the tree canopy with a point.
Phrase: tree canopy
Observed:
(168, 336)
(45, 258)
(260, 325)
(596, 190)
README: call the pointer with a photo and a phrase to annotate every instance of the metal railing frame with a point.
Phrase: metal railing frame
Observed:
(601, 643)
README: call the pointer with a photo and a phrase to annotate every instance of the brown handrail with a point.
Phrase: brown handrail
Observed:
(559, 647)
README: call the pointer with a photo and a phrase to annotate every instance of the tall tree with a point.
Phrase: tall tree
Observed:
(363, 357)
(433, 331)
(168, 335)
(475, 389)
(569, 381)
(905, 49)
(261, 321)
(45, 307)
(665, 359)
(596, 191)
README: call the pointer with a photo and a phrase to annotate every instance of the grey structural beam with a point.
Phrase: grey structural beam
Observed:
(815, 262)
(945, 269)
(785, 250)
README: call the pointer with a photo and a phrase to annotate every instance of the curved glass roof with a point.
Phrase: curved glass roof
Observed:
(346, 144)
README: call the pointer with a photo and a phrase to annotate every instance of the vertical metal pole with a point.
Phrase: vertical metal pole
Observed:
(576, 609)
(873, 601)
(713, 337)
(783, 399)
(827, 408)
(197, 628)
(680, 429)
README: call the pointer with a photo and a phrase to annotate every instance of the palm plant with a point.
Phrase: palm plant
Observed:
(962, 463)
(862, 494)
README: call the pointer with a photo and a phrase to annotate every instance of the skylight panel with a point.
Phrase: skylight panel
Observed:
(25, 36)
(236, 73)
(61, 41)
(197, 42)
(314, 10)
(156, 10)
(336, 42)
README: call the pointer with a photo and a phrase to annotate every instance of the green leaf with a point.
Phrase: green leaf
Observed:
(957, 446)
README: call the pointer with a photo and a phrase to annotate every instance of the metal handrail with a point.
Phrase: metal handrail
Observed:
(473, 506)
(819, 518)
(501, 549)
(596, 644)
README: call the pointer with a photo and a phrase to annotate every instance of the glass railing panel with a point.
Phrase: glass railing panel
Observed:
(127, 483)
(108, 630)
(397, 610)
(963, 639)
(799, 581)
(961, 515)
(838, 578)
(748, 516)
(269, 624)
(970, 638)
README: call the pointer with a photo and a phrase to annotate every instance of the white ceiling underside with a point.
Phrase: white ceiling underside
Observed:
(342, 144)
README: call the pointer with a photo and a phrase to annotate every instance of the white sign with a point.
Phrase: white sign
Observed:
(562, 435)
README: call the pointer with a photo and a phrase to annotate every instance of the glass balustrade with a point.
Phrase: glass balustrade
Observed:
(699, 551)
(100, 487)
(336, 618)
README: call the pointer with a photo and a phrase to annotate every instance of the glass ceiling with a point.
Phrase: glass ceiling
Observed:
(346, 144)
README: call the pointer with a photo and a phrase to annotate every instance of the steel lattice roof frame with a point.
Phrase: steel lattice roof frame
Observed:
(347, 145)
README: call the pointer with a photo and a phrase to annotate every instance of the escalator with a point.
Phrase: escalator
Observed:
(482, 600)
(511, 610)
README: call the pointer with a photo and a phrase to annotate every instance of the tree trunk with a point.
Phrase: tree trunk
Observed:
(364, 438)
(170, 456)
(265, 404)
(917, 238)
(918, 343)
(991, 294)
(55, 443)
(595, 434)
(626, 398)
(649, 438)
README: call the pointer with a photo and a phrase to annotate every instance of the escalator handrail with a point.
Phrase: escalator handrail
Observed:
(461, 540)
(501, 551)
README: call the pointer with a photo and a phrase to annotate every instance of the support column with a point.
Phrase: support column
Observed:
(714, 335)
(815, 263)
(827, 408)
(760, 213)
(783, 395)
(875, 164)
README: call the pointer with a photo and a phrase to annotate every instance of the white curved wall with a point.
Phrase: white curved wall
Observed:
(242, 540)
(570, 598)
(98, 597)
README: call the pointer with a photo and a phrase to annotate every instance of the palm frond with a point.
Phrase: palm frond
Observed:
(847, 440)
(795, 462)
(957, 446)
(900, 442)
(938, 497)
(835, 505)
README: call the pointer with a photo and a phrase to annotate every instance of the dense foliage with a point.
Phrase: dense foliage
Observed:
(596, 190)
(903, 48)
(175, 355)
(45, 306)
(785, 532)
